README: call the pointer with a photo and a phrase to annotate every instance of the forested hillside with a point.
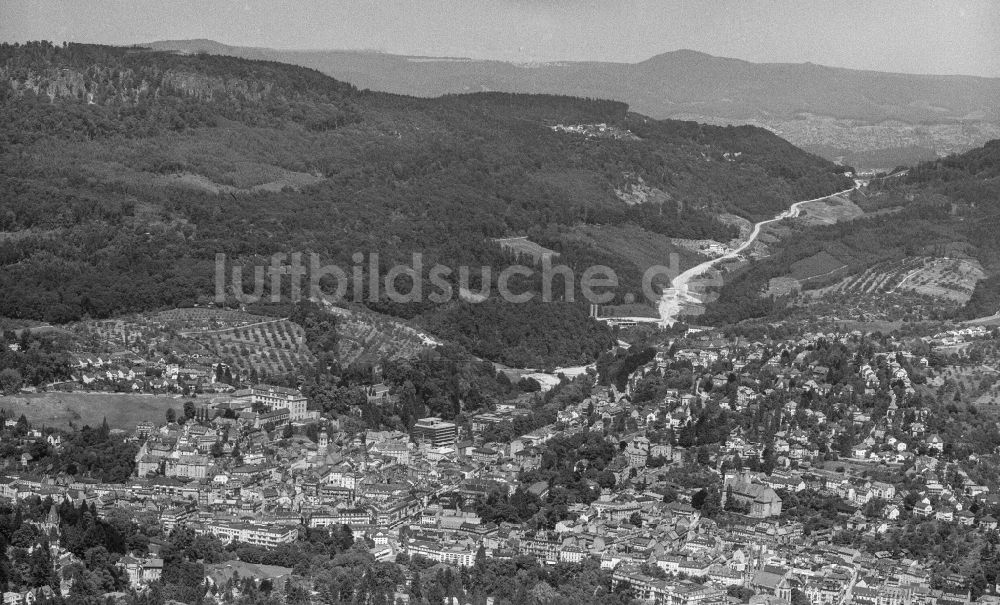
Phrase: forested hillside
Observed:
(972, 182)
(124, 171)
(945, 209)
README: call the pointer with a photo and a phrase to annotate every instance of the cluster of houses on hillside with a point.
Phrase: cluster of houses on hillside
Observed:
(129, 372)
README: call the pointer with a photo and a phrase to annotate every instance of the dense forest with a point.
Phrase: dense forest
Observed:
(509, 333)
(125, 171)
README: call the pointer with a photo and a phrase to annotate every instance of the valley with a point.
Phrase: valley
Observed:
(680, 296)
(276, 338)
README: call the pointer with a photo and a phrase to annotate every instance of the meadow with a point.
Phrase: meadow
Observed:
(122, 410)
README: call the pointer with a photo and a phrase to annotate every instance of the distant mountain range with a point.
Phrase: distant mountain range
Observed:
(862, 117)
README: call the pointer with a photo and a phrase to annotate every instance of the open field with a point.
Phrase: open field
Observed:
(8, 323)
(993, 320)
(632, 310)
(829, 211)
(122, 410)
(780, 286)
(522, 246)
(818, 265)
(954, 279)
(642, 248)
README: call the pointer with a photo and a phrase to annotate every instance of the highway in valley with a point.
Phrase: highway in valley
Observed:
(678, 294)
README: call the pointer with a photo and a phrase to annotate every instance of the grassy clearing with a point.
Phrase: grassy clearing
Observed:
(642, 248)
(122, 410)
(954, 279)
(985, 321)
(249, 184)
(818, 265)
(633, 310)
(829, 211)
(780, 286)
(522, 246)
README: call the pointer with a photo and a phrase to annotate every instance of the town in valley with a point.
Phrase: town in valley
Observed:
(494, 302)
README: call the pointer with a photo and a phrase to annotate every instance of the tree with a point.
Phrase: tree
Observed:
(415, 585)
(698, 499)
(10, 381)
(171, 415)
(287, 432)
(635, 519)
(189, 410)
(528, 384)
(342, 537)
(740, 592)
(799, 597)
(40, 571)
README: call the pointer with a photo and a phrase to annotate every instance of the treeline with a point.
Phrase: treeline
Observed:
(615, 369)
(85, 90)
(31, 358)
(527, 335)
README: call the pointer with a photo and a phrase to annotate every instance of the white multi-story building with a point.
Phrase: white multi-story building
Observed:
(257, 535)
(276, 398)
(454, 555)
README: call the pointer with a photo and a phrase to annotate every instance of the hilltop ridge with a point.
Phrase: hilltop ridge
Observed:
(865, 118)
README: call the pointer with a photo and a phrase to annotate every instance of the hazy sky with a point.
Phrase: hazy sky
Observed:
(919, 36)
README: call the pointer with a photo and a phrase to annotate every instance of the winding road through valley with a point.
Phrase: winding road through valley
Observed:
(678, 294)
(673, 298)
